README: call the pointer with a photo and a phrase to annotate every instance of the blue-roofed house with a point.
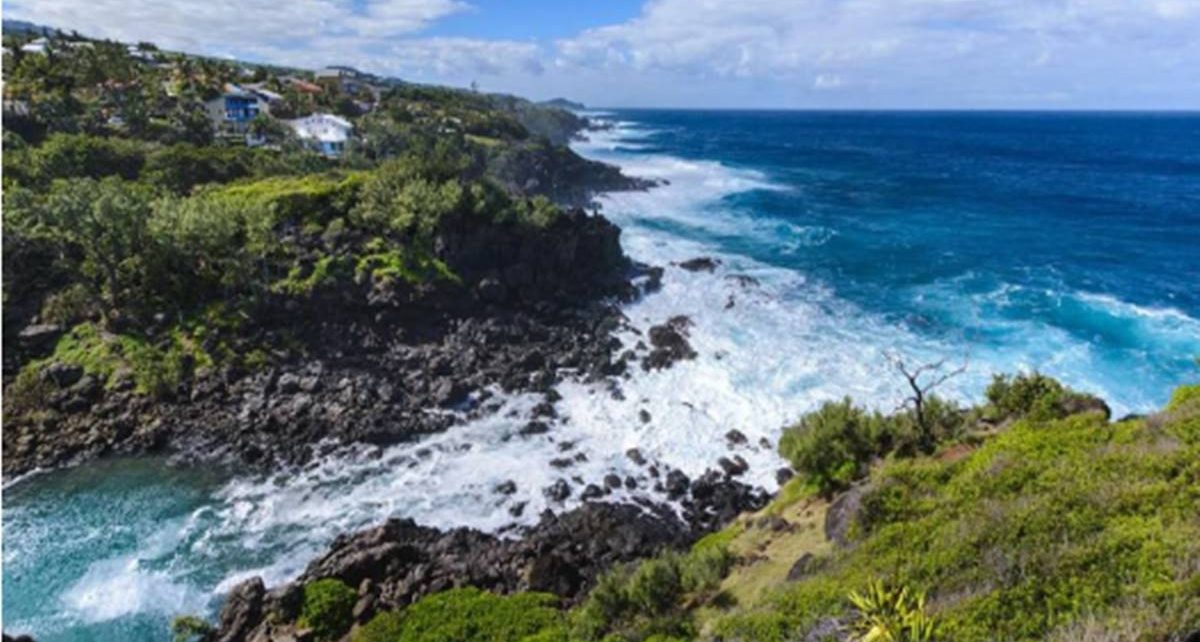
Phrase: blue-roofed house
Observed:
(235, 109)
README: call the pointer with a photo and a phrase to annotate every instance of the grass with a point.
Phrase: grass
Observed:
(1046, 525)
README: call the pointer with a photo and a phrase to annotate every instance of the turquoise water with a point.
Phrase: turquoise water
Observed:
(1064, 242)
(72, 537)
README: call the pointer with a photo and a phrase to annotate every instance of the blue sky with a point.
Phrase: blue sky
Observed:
(874, 54)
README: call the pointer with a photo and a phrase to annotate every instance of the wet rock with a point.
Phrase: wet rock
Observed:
(534, 428)
(677, 484)
(735, 437)
(743, 280)
(242, 611)
(591, 491)
(507, 487)
(644, 416)
(612, 480)
(558, 491)
(733, 467)
(700, 264)
(636, 456)
(669, 344)
(784, 475)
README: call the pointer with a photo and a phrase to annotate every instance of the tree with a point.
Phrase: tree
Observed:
(922, 381)
(104, 223)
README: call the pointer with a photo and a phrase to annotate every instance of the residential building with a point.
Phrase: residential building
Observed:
(326, 133)
(236, 108)
(36, 46)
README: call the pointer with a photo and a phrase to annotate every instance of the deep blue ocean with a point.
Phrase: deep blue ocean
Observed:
(1065, 243)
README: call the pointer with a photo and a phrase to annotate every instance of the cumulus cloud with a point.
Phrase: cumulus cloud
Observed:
(971, 44)
(376, 35)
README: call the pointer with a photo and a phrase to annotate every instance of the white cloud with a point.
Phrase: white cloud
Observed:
(827, 81)
(914, 48)
(376, 35)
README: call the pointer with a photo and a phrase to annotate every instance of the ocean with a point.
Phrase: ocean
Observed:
(1067, 243)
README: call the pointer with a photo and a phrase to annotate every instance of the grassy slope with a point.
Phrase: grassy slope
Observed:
(1073, 529)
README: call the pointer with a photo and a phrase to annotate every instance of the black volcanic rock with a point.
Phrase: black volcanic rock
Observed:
(373, 358)
(670, 344)
(401, 561)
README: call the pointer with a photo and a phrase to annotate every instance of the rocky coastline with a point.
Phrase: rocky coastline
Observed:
(398, 562)
(367, 364)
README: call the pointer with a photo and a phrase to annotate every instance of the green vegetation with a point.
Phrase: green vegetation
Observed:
(890, 615)
(469, 615)
(835, 445)
(649, 599)
(128, 215)
(328, 608)
(1035, 396)
(186, 628)
(1047, 528)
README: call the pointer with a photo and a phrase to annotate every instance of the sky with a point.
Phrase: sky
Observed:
(803, 54)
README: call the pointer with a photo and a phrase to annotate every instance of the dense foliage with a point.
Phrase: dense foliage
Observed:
(469, 615)
(327, 609)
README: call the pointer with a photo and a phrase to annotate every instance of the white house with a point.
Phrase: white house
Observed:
(37, 46)
(325, 133)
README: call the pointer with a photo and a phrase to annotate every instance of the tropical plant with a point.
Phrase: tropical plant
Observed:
(884, 614)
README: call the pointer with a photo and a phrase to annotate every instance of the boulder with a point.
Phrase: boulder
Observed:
(842, 513)
(63, 375)
(669, 344)
(242, 611)
(700, 264)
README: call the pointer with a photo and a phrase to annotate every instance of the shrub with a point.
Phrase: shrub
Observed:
(703, 569)
(80, 155)
(328, 608)
(185, 628)
(833, 445)
(1184, 395)
(1035, 396)
(655, 585)
(890, 615)
(469, 615)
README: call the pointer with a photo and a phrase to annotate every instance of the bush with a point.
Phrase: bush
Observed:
(834, 445)
(185, 628)
(641, 601)
(328, 608)
(469, 615)
(1034, 396)
(1183, 396)
(80, 156)
(890, 615)
(655, 585)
